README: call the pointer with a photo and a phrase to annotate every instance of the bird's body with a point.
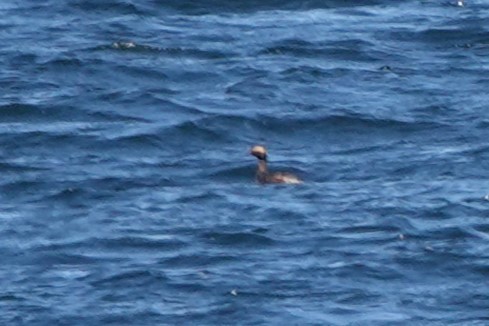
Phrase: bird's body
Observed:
(264, 176)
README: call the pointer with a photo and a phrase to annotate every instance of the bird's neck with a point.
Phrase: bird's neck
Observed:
(262, 167)
(262, 172)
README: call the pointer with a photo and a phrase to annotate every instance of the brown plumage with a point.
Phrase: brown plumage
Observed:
(264, 176)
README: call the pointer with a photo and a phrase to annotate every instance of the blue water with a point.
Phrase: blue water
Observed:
(127, 194)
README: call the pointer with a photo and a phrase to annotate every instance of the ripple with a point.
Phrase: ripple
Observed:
(285, 124)
(140, 242)
(175, 52)
(140, 277)
(17, 111)
(357, 50)
(250, 240)
(197, 260)
(116, 6)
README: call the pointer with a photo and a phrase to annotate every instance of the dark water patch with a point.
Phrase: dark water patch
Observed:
(63, 246)
(449, 210)
(344, 50)
(369, 270)
(23, 59)
(187, 198)
(483, 124)
(357, 297)
(237, 173)
(200, 260)
(112, 6)
(27, 115)
(121, 317)
(51, 187)
(71, 194)
(22, 112)
(220, 6)
(282, 214)
(192, 287)
(435, 112)
(348, 123)
(53, 258)
(450, 234)
(11, 298)
(137, 243)
(480, 47)
(251, 87)
(210, 127)
(104, 186)
(238, 239)
(121, 96)
(130, 278)
(113, 117)
(16, 188)
(68, 141)
(202, 129)
(453, 36)
(374, 232)
(194, 53)
(305, 74)
(9, 167)
(147, 74)
(482, 268)
(283, 45)
(144, 140)
(356, 50)
(313, 75)
(61, 64)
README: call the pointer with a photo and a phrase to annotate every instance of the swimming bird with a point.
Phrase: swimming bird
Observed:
(264, 176)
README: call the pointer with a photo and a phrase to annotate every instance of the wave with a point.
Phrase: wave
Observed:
(144, 242)
(174, 52)
(286, 123)
(6, 167)
(354, 49)
(28, 115)
(112, 6)
(455, 36)
(247, 239)
(222, 6)
(202, 260)
(22, 112)
(62, 63)
(232, 173)
(130, 278)
(219, 129)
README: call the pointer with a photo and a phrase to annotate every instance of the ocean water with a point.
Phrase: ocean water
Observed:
(127, 194)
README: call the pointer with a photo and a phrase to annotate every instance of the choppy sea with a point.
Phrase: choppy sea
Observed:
(127, 192)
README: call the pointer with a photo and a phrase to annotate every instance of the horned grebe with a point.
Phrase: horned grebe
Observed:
(262, 174)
